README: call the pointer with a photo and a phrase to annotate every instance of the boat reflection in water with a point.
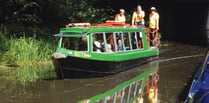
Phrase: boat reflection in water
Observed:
(140, 89)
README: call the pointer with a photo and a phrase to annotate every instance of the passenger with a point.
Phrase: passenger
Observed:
(111, 41)
(121, 17)
(140, 43)
(65, 44)
(97, 46)
(153, 23)
(138, 17)
(120, 45)
(109, 48)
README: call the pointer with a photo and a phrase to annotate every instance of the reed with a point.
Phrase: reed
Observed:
(26, 59)
(24, 50)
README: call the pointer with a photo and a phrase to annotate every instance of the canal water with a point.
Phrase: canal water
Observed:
(165, 80)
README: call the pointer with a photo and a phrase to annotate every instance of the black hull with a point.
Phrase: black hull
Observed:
(72, 67)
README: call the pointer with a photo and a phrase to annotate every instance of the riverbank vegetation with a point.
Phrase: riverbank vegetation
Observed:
(26, 59)
(24, 50)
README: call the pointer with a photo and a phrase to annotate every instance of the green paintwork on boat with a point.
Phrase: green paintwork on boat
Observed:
(146, 51)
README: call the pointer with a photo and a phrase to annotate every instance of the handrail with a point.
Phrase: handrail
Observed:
(155, 40)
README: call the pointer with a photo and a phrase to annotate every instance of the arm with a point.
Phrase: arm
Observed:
(116, 17)
(157, 21)
(133, 19)
(143, 14)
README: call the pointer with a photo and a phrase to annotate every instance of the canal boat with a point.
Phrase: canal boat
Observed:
(105, 48)
(199, 90)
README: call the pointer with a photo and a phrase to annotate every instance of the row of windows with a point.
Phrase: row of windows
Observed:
(117, 41)
(105, 42)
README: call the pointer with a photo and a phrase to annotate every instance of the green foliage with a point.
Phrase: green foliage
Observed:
(25, 49)
(47, 16)
(20, 11)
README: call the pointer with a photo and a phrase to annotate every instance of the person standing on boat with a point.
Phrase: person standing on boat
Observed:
(153, 25)
(138, 17)
(121, 17)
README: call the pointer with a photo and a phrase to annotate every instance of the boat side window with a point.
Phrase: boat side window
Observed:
(139, 38)
(133, 40)
(75, 43)
(127, 41)
(110, 43)
(98, 42)
(136, 40)
(120, 41)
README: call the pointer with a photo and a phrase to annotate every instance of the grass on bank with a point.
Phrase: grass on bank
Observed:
(26, 59)
(24, 50)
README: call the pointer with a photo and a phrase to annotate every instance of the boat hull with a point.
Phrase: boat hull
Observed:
(72, 67)
(199, 92)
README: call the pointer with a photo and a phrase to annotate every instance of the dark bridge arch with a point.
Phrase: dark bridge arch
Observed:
(185, 21)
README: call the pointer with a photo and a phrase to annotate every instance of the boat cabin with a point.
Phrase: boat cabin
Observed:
(102, 39)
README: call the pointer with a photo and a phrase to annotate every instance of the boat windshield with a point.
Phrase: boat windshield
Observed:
(75, 43)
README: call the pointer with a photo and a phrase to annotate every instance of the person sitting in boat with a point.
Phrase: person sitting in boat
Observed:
(109, 48)
(138, 17)
(153, 24)
(65, 44)
(97, 46)
(120, 45)
(121, 17)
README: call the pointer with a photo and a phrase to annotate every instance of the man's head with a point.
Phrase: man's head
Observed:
(153, 9)
(139, 8)
(122, 11)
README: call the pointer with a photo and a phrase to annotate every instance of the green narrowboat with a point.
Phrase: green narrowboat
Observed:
(108, 48)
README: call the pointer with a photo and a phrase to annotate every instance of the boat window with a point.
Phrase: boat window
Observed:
(133, 40)
(103, 42)
(127, 41)
(120, 41)
(139, 38)
(98, 42)
(136, 40)
(110, 47)
(75, 43)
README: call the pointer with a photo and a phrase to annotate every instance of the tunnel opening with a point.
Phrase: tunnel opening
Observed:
(185, 22)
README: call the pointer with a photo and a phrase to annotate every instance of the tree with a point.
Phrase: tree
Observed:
(36, 15)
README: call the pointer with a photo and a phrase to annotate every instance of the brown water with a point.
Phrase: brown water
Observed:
(176, 64)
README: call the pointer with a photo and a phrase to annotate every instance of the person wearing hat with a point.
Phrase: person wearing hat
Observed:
(121, 17)
(153, 23)
(97, 46)
(138, 17)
